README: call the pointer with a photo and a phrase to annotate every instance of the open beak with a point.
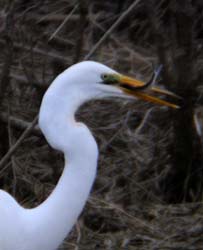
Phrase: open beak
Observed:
(140, 90)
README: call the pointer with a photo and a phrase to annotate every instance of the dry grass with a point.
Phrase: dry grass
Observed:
(126, 209)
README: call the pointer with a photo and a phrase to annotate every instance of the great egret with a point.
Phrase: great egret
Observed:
(45, 226)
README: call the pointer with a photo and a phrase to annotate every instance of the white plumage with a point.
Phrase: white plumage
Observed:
(45, 227)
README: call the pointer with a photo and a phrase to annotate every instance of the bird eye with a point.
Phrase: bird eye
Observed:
(109, 78)
(104, 77)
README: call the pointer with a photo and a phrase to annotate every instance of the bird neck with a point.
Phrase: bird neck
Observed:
(57, 214)
(57, 114)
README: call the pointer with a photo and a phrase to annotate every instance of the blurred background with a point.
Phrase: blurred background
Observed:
(149, 188)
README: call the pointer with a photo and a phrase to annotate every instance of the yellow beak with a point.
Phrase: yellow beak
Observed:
(138, 89)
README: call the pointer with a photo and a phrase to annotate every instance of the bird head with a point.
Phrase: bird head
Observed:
(80, 83)
(102, 81)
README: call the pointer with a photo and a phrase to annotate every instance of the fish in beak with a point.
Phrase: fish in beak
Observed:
(139, 89)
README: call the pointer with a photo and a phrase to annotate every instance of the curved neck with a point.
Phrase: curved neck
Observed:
(54, 218)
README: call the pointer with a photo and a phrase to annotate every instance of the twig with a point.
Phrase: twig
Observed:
(12, 157)
(82, 23)
(24, 80)
(38, 51)
(51, 18)
(6, 69)
(109, 31)
(63, 23)
(78, 235)
(135, 220)
(156, 74)
(18, 142)
(136, 54)
(18, 123)
(143, 122)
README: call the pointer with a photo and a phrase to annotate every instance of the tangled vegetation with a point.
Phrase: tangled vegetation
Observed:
(148, 192)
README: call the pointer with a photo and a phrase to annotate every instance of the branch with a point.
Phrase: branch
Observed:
(38, 51)
(19, 124)
(63, 23)
(18, 143)
(37, 84)
(109, 31)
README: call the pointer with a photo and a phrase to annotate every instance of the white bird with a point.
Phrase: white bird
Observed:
(45, 226)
